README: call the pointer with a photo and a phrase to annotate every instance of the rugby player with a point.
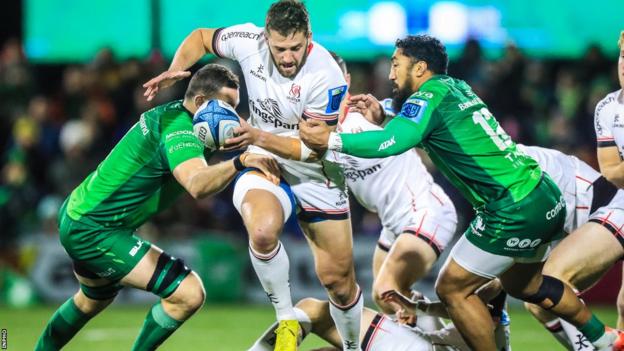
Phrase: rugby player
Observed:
(289, 78)
(149, 167)
(519, 209)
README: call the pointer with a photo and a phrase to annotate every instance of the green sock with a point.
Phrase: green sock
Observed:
(593, 329)
(157, 328)
(63, 325)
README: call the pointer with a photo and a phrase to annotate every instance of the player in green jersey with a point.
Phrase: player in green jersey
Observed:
(152, 164)
(519, 209)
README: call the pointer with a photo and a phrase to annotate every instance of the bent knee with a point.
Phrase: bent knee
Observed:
(190, 295)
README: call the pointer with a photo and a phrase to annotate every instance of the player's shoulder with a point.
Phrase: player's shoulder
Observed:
(243, 31)
(436, 87)
(320, 63)
(609, 101)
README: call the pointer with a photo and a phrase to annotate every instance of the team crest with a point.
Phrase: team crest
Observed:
(413, 109)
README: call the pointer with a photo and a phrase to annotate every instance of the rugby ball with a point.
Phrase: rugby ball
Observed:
(214, 122)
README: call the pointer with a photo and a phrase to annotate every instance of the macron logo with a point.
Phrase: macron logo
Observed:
(386, 144)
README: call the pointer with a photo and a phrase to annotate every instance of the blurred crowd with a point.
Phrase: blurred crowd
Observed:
(57, 122)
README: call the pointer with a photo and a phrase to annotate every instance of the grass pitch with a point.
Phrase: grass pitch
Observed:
(215, 328)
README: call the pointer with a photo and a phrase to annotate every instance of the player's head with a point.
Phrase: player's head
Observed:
(212, 82)
(287, 30)
(415, 59)
(621, 60)
(343, 66)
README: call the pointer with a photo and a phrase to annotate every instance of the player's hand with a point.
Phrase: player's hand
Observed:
(314, 134)
(266, 164)
(368, 106)
(162, 81)
(245, 135)
(405, 308)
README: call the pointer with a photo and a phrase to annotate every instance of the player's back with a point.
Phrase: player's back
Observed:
(135, 179)
(468, 145)
(391, 186)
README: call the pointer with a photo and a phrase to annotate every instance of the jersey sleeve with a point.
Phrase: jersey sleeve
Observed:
(178, 139)
(237, 42)
(326, 95)
(602, 124)
(405, 131)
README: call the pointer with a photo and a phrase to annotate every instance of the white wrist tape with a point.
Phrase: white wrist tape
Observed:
(305, 152)
(335, 142)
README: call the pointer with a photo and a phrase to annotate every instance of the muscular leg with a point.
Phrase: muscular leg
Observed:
(72, 316)
(264, 219)
(620, 305)
(595, 251)
(182, 295)
(332, 248)
(525, 281)
(456, 288)
(409, 259)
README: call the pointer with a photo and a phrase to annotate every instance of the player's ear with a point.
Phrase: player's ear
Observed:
(420, 68)
(199, 100)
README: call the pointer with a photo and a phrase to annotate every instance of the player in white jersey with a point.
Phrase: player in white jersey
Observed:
(289, 78)
(418, 218)
(378, 332)
(586, 194)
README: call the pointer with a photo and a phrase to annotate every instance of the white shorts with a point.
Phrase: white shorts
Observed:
(450, 338)
(611, 216)
(489, 265)
(313, 202)
(434, 221)
(384, 334)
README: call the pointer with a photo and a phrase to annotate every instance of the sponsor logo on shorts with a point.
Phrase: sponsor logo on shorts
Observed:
(107, 273)
(136, 248)
(553, 212)
(523, 244)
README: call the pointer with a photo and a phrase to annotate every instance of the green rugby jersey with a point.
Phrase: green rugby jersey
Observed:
(453, 125)
(135, 181)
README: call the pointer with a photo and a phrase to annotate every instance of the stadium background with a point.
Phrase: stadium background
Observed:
(70, 86)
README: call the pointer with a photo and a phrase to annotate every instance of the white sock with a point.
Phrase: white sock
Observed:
(347, 319)
(272, 271)
(556, 329)
(578, 341)
(266, 342)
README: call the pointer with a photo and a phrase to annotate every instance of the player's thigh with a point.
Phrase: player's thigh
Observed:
(522, 279)
(409, 259)
(260, 202)
(331, 244)
(379, 256)
(584, 255)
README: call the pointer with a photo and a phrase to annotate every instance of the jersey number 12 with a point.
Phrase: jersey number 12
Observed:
(484, 117)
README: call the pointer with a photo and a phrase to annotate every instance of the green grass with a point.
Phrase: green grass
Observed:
(215, 328)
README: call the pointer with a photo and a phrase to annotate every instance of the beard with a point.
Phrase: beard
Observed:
(400, 95)
(297, 65)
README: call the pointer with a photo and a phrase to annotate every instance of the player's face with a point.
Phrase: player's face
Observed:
(288, 52)
(401, 77)
(621, 67)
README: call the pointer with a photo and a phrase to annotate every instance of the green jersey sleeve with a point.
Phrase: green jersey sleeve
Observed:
(413, 124)
(178, 139)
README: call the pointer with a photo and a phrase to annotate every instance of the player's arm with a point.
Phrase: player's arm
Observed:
(285, 147)
(194, 47)
(201, 180)
(611, 165)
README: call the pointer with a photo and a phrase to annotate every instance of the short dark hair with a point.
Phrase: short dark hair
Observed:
(425, 48)
(288, 17)
(209, 80)
(340, 61)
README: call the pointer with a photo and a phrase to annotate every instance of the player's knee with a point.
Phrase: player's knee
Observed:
(547, 296)
(264, 236)
(91, 306)
(337, 283)
(190, 296)
(535, 310)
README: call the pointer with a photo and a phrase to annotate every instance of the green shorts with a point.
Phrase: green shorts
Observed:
(519, 229)
(109, 253)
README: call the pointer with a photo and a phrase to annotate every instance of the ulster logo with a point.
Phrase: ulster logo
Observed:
(295, 93)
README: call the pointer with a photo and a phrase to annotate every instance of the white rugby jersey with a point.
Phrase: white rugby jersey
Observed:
(392, 186)
(609, 121)
(572, 176)
(277, 104)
